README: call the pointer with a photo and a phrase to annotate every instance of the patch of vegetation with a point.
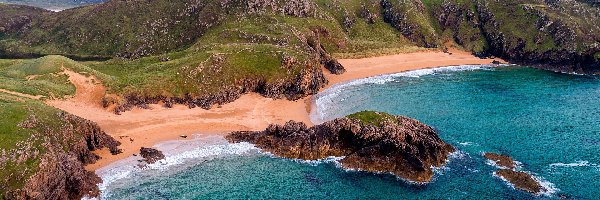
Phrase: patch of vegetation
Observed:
(43, 76)
(373, 118)
(14, 138)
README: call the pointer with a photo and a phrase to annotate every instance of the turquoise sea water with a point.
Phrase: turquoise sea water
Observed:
(549, 122)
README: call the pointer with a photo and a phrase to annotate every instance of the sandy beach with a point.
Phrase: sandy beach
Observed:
(148, 127)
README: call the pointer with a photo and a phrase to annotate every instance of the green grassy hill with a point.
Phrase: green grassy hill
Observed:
(211, 51)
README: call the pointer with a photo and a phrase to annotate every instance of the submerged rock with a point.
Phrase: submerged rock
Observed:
(151, 155)
(369, 141)
(521, 180)
(501, 160)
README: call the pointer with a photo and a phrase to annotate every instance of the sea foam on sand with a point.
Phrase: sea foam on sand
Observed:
(176, 153)
(327, 99)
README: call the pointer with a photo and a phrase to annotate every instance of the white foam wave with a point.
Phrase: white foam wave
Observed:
(330, 159)
(201, 152)
(549, 188)
(129, 167)
(581, 163)
(326, 99)
(465, 143)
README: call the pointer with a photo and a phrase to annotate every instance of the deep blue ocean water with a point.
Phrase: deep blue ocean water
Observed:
(549, 122)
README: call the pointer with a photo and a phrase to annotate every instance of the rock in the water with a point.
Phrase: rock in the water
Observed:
(521, 180)
(369, 141)
(151, 155)
(501, 160)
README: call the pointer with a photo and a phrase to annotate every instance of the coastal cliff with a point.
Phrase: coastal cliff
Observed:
(369, 141)
(44, 154)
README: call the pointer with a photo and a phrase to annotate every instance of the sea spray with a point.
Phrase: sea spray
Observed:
(130, 167)
(326, 100)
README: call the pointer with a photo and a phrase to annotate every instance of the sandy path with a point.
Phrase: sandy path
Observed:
(37, 97)
(146, 128)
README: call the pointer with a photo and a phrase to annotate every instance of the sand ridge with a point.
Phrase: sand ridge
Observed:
(252, 112)
(36, 97)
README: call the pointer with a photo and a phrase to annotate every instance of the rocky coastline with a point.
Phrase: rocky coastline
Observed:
(58, 171)
(379, 143)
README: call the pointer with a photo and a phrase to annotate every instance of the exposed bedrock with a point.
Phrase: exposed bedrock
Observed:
(500, 160)
(151, 155)
(307, 82)
(521, 180)
(57, 170)
(369, 141)
(509, 172)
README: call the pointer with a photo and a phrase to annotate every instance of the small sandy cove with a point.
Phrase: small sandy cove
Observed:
(146, 128)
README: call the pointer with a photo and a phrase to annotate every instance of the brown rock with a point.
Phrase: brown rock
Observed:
(151, 155)
(521, 180)
(501, 160)
(59, 171)
(400, 145)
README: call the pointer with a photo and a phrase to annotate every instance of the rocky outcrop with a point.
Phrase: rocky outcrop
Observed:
(521, 180)
(307, 82)
(314, 42)
(296, 8)
(410, 18)
(561, 55)
(151, 155)
(500, 160)
(508, 171)
(399, 145)
(54, 169)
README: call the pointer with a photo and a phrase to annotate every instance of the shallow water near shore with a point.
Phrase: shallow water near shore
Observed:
(549, 122)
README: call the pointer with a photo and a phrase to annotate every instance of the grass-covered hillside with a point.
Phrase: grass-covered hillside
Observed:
(43, 150)
(53, 4)
(205, 52)
(518, 29)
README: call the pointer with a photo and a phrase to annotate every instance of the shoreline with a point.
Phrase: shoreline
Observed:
(150, 127)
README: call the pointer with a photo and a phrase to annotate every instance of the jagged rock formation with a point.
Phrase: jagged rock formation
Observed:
(501, 160)
(50, 163)
(151, 155)
(307, 82)
(370, 141)
(521, 180)
(546, 34)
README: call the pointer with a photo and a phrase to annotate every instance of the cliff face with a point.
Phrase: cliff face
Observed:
(546, 34)
(562, 34)
(307, 81)
(49, 164)
(400, 145)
